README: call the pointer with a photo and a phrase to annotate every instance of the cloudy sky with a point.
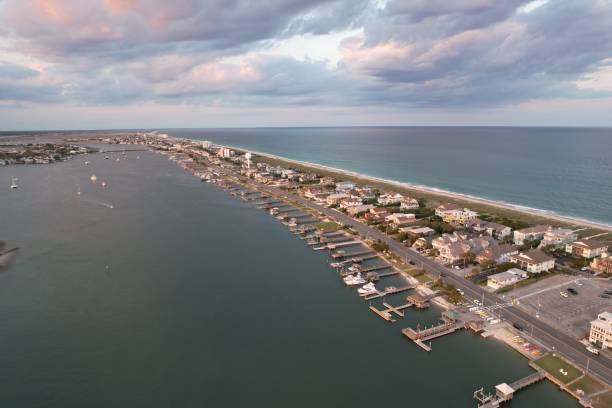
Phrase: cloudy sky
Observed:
(76, 64)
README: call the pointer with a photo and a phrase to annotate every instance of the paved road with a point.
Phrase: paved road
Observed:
(547, 335)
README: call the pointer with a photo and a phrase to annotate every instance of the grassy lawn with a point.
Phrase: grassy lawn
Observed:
(588, 385)
(603, 400)
(423, 278)
(552, 365)
(328, 226)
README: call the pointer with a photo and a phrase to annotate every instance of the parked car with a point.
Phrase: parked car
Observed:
(518, 326)
(604, 296)
(572, 291)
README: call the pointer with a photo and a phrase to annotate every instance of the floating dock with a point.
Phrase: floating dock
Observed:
(388, 291)
(386, 314)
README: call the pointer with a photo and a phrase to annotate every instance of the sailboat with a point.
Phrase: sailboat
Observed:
(14, 182)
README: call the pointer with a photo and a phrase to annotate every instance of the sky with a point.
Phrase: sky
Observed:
(102, 64)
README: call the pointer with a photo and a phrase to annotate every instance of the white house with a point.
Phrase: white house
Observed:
(409, 203)
(534, 261)
(509, 277)
(586, 248)
(558, 237)
(345, 186)
(531, 233)
(454, 214)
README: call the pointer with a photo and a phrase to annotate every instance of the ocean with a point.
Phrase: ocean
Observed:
(567, 171)
(183, 296)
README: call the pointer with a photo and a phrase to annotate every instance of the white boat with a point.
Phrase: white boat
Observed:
(93, 178)
(353, 280)
(86, 163)
(14, 183)
(103, 184)
(367, 289)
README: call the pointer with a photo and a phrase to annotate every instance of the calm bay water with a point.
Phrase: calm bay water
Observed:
(564, 170)
(182, 296)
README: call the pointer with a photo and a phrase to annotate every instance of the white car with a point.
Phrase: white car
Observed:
(593, 350)
(577, 282)
(564, 294)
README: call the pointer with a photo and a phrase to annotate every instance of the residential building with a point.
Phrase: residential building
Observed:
(417, 231)
(225, 152)
(586, 248)
(534, 261)
(601, 330)
(390, 198)
(509, 277)
(357, 209)
(326, 181)
(602, 264)
(451, 248)
(558, 237)
(454, 214)
(334, 199)
(530, 234)
(345, 186)
(398, 220)
(492, 229)
(497, 253)
(409, 203)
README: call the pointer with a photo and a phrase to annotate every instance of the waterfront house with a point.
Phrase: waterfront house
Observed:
(497, 253)
(534, 261)
(601, 330)
(409, 203)
(390, 198)
(454, 214)
(586, 248)
(602, 264)
(558, 237)
(492, 229)
(345, 186)
(509, 277)
(530, 234)
(376, 214)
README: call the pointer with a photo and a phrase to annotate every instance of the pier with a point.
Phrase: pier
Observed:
(391, 290)
(386, 314)
(333, 246)
(505, 392)
(421, 336)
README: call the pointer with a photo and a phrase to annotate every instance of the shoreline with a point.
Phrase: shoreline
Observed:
(520, 209)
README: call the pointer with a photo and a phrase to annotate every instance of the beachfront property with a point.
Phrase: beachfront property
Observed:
(376, 214)
(534, 261)
(390, 198)
(345, 186)
(602, 264)
(558, 237)
(529, 234)
(409, 203)
(454, 214)
(509, 277)
(225, 152)
(586, 248)
(601, 330)
(497, 253)
(492, 229)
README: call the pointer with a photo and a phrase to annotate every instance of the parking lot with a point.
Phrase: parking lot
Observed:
(571, 314)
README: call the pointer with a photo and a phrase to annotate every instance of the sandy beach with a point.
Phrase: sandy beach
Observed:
(477, 203)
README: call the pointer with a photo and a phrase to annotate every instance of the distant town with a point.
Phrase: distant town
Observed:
(543, 289)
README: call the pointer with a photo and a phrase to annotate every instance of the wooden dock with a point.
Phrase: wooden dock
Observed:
(388, 291)
(386, 314)
(421, 336)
